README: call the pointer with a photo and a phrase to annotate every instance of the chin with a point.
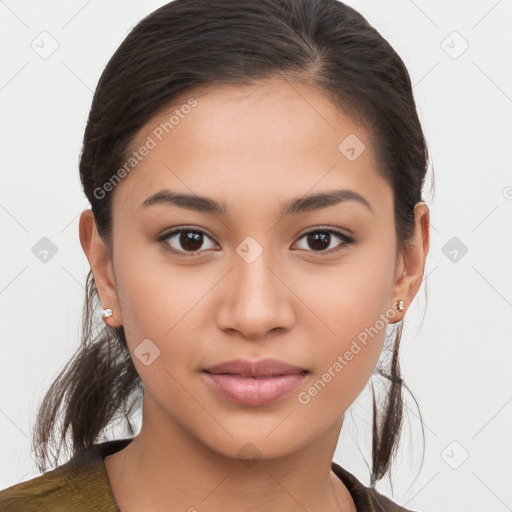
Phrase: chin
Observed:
(262, 440)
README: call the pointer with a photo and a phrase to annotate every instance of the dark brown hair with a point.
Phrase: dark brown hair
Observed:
(194, 43)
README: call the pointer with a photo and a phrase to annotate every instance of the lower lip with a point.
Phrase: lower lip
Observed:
(253, 390)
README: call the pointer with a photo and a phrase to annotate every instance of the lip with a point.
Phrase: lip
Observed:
(254, 382)
(262, 368)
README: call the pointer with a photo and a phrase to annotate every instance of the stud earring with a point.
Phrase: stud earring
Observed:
(399, 305)
(105, 313)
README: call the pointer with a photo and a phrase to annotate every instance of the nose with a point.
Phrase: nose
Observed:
(257, 298)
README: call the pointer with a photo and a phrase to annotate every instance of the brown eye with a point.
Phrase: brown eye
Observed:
(320, 241)
(185, 240)
(191, 241)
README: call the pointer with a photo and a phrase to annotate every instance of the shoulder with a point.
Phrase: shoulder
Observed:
(51, 491)
(56, 490)
(79, 484)
(365, 498)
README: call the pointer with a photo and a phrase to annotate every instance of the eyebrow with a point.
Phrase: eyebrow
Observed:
(290, 207)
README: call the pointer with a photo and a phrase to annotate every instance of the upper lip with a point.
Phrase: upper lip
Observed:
(263, 367)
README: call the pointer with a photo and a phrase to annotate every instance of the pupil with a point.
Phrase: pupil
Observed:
(191, 241)
(319, 240)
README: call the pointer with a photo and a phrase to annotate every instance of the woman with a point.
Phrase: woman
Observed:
(255, 172)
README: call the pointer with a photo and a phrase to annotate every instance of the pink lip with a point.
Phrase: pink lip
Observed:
(254, 383)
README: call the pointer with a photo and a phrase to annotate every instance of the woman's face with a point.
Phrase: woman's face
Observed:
(255, 285)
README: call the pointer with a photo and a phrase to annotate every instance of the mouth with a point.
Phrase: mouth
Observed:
(262, 368)
(254, 383)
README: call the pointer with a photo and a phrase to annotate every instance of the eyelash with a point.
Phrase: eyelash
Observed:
(347, 240)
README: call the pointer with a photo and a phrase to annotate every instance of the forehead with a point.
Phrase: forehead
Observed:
(272, 139)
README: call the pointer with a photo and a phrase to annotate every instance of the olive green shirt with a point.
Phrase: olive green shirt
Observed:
(82, 484)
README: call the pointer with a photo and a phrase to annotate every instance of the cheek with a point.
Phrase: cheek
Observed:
(346, 361)
(162, 305)
(151, 297)
(354, 312)
(341, 302)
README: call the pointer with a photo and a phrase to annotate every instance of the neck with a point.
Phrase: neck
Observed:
(164, 468)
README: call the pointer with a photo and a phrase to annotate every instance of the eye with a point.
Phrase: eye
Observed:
(190, 239)
(321, 239)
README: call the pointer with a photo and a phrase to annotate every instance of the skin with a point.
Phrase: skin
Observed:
(253, 147)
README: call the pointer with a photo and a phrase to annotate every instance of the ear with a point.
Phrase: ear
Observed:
(98, 255)
(411, 263)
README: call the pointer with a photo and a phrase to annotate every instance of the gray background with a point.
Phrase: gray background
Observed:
(456, 352)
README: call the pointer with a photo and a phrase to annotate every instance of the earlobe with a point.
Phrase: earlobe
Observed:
(98, 256)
